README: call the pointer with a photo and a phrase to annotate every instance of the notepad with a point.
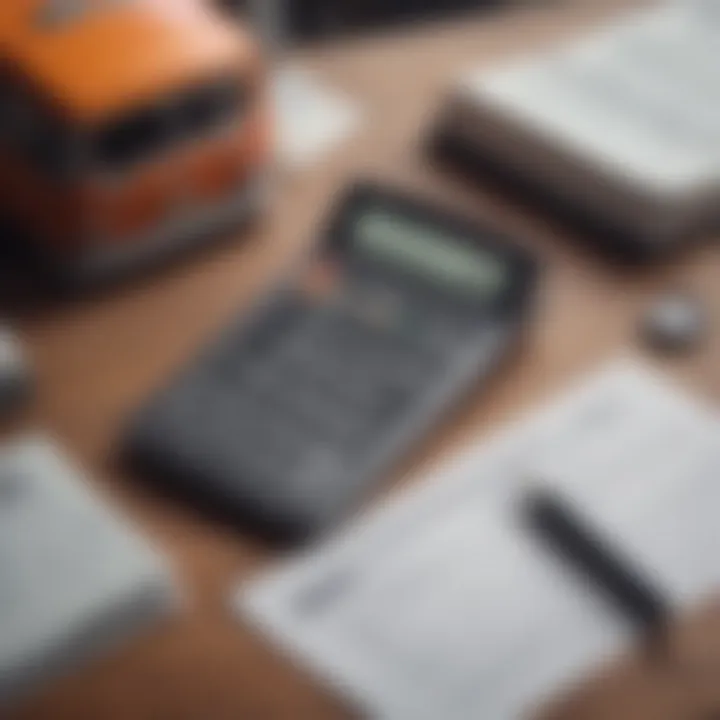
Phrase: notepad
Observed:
(76, 578)
(441, 604)
(622, 126)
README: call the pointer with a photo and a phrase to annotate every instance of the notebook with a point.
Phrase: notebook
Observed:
(75, 578)
(621, 128)
(441, 604)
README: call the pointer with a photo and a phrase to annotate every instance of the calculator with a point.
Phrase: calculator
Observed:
(289, 418)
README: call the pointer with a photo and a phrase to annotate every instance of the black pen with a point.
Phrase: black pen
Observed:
(563, 531)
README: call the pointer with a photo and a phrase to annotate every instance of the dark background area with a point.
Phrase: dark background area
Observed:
(312, 19)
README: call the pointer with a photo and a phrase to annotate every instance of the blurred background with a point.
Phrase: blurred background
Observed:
(269, 265)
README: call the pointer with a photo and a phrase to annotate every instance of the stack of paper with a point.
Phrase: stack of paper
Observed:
(623, 125)
(74, 577)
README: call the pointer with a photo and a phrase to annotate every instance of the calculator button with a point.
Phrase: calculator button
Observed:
(356, 391)
(273, 327)
(266, 446)
(319, 465)
(321, 415)
(379, 310)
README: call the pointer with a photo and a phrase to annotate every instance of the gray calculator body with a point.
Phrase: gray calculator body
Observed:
(285, 422)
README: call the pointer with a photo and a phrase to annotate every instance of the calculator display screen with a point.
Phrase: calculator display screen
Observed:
(429, 252)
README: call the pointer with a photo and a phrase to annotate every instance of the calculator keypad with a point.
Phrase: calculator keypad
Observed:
(308, 391)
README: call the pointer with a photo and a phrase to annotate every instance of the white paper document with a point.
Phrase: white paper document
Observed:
(640, 96)
(75, 577)
(312, 119)
(442, 604)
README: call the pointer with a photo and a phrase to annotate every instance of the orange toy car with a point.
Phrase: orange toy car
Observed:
(128, 128)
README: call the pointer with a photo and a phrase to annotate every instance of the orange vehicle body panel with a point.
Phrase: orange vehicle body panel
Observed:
(119, 54)
(203, 172)
(116, 58)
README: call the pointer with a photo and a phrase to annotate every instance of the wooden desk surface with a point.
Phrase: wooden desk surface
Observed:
(98, 359)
